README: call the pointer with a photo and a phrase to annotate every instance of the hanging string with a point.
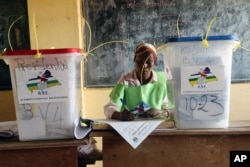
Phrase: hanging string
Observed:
(238, 45)
(90, 35)
(105, 43)
(2, 53)
(204, 41)
(143, 66)
(11, 25)
(85, 54)
(38, 54)
(177, 26)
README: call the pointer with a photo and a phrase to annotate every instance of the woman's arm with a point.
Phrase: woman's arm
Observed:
(111, 112)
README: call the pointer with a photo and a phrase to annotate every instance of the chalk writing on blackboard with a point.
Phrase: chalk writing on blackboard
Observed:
(155, 21)
(14, 37)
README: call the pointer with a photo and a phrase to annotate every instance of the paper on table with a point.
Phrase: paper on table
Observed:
(80, 130)
(134, 132)
(8, 129)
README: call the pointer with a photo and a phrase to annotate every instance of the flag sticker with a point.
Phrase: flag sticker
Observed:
(38, 86)
(42, 82)
(202, 79)
(203, 76)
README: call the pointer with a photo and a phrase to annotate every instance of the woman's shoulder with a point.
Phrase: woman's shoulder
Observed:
(128, 78)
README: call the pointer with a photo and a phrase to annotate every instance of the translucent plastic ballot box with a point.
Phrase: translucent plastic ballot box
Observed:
(201, 80)
(47, 91)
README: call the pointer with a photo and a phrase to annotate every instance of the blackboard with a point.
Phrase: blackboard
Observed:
(155, 21)
(14, 33)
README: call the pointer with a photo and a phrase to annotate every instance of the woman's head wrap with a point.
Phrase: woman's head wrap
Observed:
(146, 48)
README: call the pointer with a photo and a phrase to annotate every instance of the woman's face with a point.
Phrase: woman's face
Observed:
(144, 64)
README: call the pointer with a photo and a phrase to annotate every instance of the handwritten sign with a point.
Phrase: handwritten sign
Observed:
(203, 107)
(42, 80)
(46, 120)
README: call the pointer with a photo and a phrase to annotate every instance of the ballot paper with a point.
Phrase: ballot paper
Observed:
(82, 128)
(134, 132)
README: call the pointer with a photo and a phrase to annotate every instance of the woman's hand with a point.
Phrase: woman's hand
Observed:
(125, 115)
(157, 113)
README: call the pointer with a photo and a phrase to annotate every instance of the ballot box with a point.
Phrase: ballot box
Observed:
(201, 76)
(47, 91)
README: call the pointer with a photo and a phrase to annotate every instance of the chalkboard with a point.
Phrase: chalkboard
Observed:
(155, 21)
(13, 19)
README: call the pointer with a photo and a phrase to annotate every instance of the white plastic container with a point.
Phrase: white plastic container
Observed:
(47, 92)
(201, 79)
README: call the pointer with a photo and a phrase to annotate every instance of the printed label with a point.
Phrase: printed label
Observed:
(37, 85)
(203, 79)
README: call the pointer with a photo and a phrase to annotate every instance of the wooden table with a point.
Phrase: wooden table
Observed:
(46, 153)
(175, 148)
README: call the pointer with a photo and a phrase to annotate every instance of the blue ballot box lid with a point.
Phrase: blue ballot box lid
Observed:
(197, 38)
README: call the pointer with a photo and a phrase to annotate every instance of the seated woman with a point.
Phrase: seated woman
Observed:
(141, 92)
